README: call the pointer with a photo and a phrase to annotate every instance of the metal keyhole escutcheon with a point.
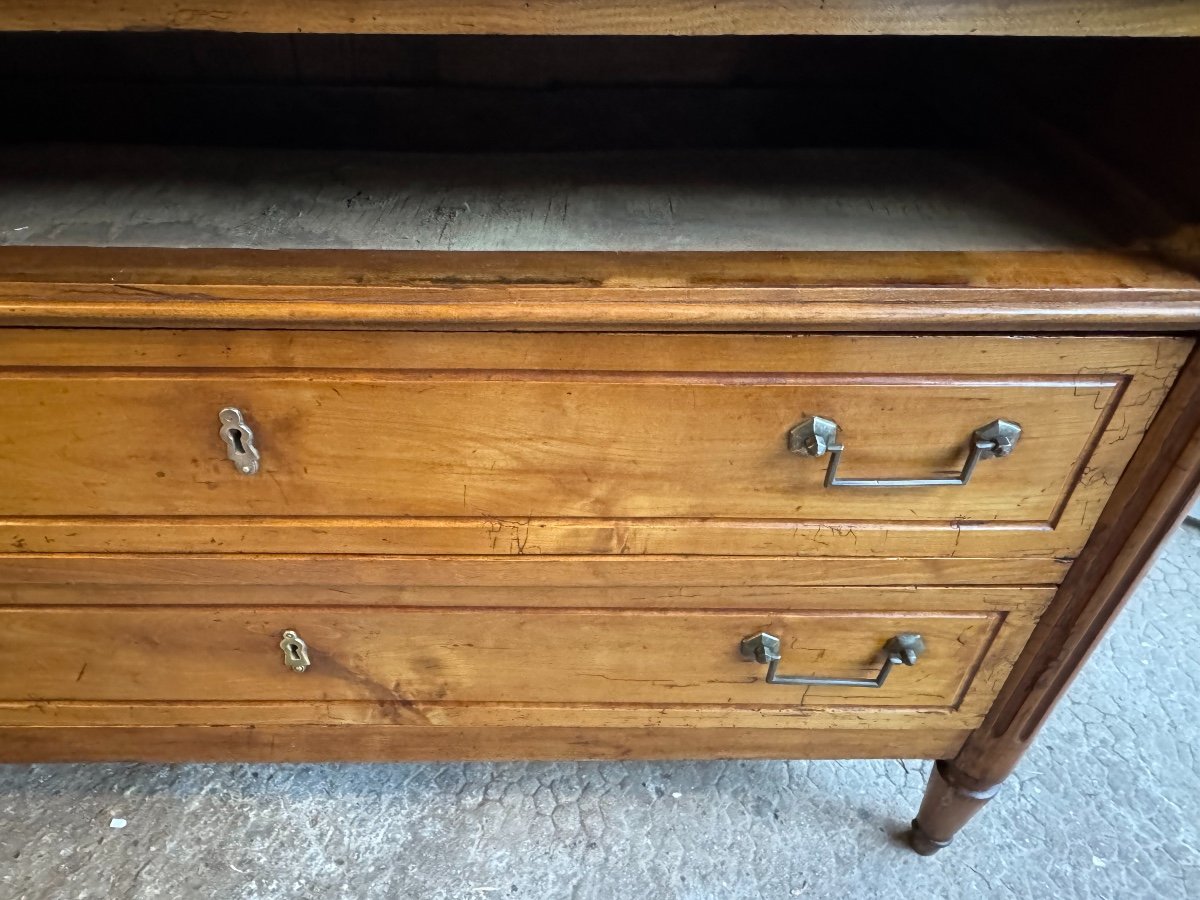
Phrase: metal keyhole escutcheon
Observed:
(295, 652)
(239, 440)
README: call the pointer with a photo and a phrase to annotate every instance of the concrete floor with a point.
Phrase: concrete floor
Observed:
(1106, 805)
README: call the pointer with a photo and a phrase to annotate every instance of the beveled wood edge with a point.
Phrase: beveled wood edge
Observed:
(551, 571)
(536, 537)
(1010, 632)
(985, 292)
(892, 356)
(1091, 452)
(989, 313)
(733, 594)
(845, 717)
(376, 270)
(1149, 18)
(399, 743)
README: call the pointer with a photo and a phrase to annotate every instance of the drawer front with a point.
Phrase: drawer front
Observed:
(473, 656)
(366, 446)
(655, 433)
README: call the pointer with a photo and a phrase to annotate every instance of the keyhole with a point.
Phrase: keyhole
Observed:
(295, 659)
(235, 435)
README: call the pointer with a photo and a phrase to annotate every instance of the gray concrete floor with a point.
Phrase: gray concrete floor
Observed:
(1106, 805)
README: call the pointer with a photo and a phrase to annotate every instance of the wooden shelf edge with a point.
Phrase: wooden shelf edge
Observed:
(882, 291)
(1126, 18)
(397, 743)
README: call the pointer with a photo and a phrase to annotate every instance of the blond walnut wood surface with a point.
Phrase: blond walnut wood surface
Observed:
(109, 648)
(463, 655)
(670, 585)
(664, 658)
(459, 443)
(859, 291)
(391, 743)
(607, 586)
(554, 445)
(35, 578)
(1144, 18)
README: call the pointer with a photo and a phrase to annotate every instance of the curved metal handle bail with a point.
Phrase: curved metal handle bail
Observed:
(816, 436)
(764, 648)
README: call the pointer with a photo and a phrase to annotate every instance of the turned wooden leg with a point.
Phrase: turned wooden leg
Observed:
(949, 802)
(1155, 492)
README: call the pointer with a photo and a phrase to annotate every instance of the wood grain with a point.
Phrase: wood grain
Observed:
(620, 657)
(1155, 493)
(946, 807)
(391, 743)
(816, 199)
(1003, 292)
(587, 588)
(26, 577)
(518, 444)
(457, 655)
(132, 586)
(360, 697)
(370, 713)
(861, 355)
(1034, 551)
(671, 444)
(1141, 18)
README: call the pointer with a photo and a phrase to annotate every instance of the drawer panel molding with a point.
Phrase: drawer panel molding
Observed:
(533, 446)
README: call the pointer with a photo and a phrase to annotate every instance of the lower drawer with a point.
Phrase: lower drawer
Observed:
(477, 666)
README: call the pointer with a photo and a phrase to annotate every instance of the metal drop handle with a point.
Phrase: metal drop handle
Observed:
(903, 649)
(295, 652)
(239, 440)
(816, 436)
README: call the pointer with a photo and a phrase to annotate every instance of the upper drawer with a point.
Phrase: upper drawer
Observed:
(438, 442)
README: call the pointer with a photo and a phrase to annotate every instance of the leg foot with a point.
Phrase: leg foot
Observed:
(923, 843)
(951, 799)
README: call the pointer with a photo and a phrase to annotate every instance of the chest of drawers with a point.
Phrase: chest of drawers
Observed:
(759, 451)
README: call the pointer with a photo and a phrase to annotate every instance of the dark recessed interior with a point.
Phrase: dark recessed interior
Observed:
(963, 136)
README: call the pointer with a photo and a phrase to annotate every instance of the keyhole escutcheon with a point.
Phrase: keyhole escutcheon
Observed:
(239, 440)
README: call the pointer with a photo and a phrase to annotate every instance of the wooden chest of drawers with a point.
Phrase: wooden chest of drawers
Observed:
(565, 454)
(562, 448)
